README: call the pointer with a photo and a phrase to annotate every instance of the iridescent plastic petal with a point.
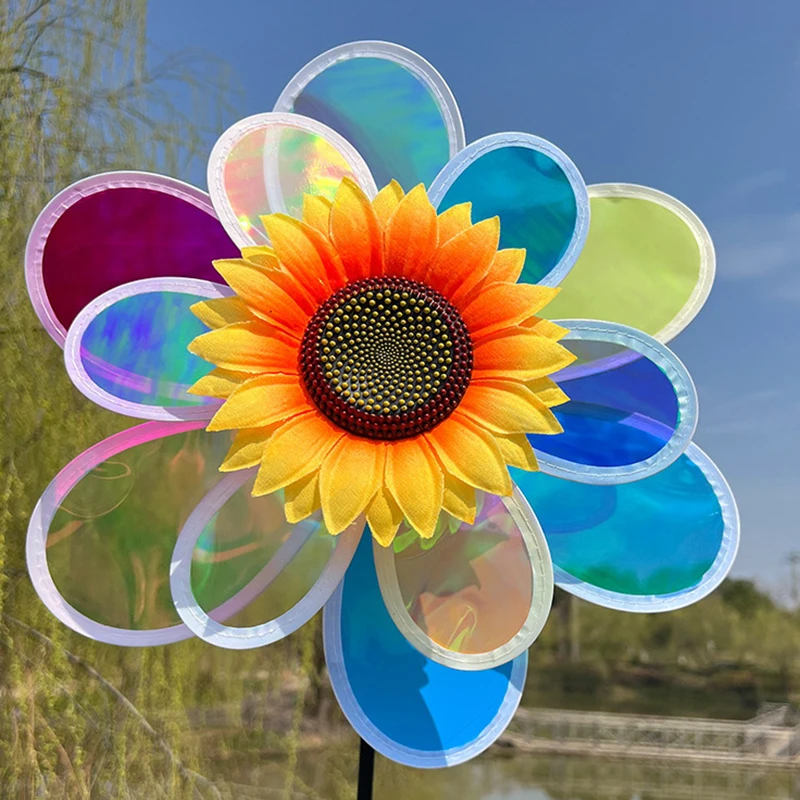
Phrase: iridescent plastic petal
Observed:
(114, 228)
(390, 103)
(101, 536)
(536, 191)
(648, 262)
(264, 164)
(127, 350)
(289, 581)
(656, 544)
(632, 408)
(473, 596)
(409, 708)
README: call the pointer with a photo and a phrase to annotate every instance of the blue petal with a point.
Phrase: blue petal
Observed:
(127, 350)
(388, 102)
(409, 708)
(655, 544)
(536, 191)
(632, 408)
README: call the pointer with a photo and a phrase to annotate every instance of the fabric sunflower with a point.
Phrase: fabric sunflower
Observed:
(381, 358)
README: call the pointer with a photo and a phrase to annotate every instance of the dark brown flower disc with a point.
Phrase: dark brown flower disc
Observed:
(386, 358)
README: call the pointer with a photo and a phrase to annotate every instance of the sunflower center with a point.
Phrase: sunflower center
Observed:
(386, 358)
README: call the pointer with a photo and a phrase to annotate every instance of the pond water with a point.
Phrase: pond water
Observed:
(331, 776)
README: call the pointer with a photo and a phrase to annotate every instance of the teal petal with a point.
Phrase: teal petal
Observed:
(656, 544)
(536, 191)
(388, 102)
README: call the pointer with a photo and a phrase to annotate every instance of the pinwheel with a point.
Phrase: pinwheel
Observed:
(416, 408)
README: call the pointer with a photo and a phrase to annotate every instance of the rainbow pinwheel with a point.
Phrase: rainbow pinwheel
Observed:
(416, 407)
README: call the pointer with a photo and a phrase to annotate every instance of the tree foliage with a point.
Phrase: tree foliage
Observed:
(77, 96)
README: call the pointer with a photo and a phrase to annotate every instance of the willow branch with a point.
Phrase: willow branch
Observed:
(159, 740)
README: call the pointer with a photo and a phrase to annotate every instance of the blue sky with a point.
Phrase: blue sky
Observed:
(701, 100)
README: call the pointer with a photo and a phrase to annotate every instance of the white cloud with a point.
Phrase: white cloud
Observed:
(756, 183)
(754, 244)
(760, 246)
(789, 290)
(765, 412)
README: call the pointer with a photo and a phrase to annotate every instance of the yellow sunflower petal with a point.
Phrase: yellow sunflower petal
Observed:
(261, 401)
(301, 498)
(415, 479)
(355, 232)
(348, 479)
(306, 254)
(264, 260)
(386, 201)
(454, 221)
(463, 261)
(295, 450)
(411, 236)
(507, 407)
(247, 448)
(384, 517)
(470, 453)
(261, 256)
(459, 499)
(507, 265)
(221, 311)
(517, 451)
(547, 391)
(520, 354)
(503, 305)
(317, 212)
(219, 383)
(543, 327)
(253, 347)
(264, 296)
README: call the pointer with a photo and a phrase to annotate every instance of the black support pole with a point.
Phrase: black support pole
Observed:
(366, 771)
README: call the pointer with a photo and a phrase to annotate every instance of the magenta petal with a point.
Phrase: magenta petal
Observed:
(114, 228)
